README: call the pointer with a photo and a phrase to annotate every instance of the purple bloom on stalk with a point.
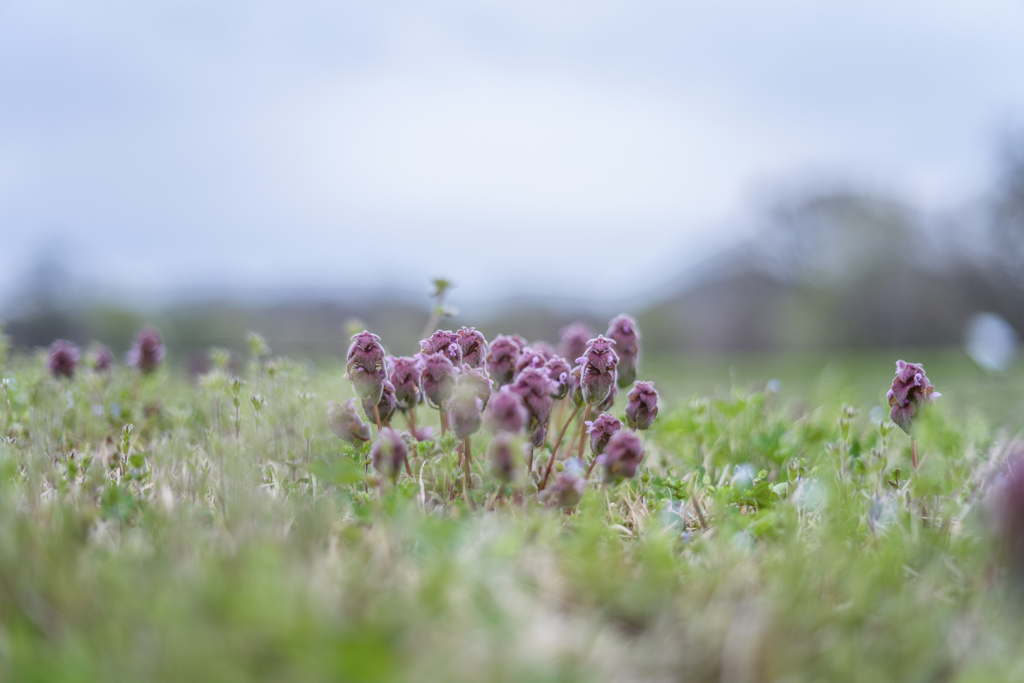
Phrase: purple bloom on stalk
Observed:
(530, 358)
(910, 391)
(473, 346)
(386, 406)
(641, 405)
(477, 381)
(366, 368)
(598, 374)
(147, 350)
(502, 355)
(423, 433)
(621, 456)
(345, 422)
(1008, 497)
(389, 453)
(62, 359)
(437, 379)
(565, 492)
(506, 412)
(558, 371)
(626, 334)
(601, 431)
(405, 376)
(533, 386)
(444, 342)
(574, 340)
(503, 457)
(465, 412)
(100, 358)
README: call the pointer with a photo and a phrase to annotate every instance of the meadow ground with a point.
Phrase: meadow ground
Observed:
(771, 535)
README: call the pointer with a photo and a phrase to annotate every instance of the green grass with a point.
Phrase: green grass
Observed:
(275, 556)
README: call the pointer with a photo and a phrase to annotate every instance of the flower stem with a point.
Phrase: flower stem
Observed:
(558, 442)
(583, 436)
(467, 466)
(913, 452)
(376, 414)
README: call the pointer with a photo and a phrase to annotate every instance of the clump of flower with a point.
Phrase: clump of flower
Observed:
(389, 453)
(100, 358)
(345, 422)
(565, 492)
(62, 359)
(535, 389)
(910, 392)
(473, 346)
(621, 457)
(477, 381)
(601, 431)
(597, 375)
(366, 367)
(405, 376)
(506, 412)
(502, 452)
(464, 411)
(444, 342)
(502, 356)
(147, 351)
(437, 379)
(1009, 512)
(386, 406)
(574, 340)
(558, 371)
(641, 405)
(626, 334)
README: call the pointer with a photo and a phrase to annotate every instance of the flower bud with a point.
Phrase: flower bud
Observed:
(641, 405)
(386, 406)
(626, 334)
(389, 453)
(558, 372)
(437, 378)
(622, 456)
(506, 412)
(910, 392)
(405, 376)
(62, 359)
(535, 389)
(601, 430)
(566, 491)
(473, 346)
(100, 358)
(502, 356)
(574, 340)
(444, 342)
(465, 412)
(345, 422)
(366, 367)
(538, 436)
(504, 452)
(147, 350)
(478, 382)
(598, 374)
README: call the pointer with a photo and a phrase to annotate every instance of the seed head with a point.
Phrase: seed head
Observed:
(626, 334)
(62, 359)
(405, 376)
(622, 456)
(641, 405)
(598, 374)
(147, 350)
(502, 356)
(437, 378)
(910, 392)
(473, 346)
(601, 430)
(389, 453)
(344, 421)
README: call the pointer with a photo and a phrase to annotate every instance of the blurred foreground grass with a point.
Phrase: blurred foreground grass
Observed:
(770, 537)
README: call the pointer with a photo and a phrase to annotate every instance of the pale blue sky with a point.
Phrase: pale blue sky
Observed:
(246, 144)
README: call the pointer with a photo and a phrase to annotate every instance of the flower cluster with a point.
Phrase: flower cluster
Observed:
(910, 392)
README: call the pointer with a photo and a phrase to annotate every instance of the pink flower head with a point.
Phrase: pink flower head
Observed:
(405, 376)
(641, 405)
(365, 352)
(535, 389)
(444, 342)
(423, 433)
(502, 355)
(147, 350)
(566, 491)
(473, 346)
(506, 412)
(574, 340)
(502, 452)
(598, 374)
(389, 453)
(437, 378)
(345, 422)
(100, 358)
(465, 412)
(558, 372)
(531, 357)
(626, 334)
(910, 391)
(477, 381)
(601, 430)
(63, 359)
(622, 456)
(386, 406)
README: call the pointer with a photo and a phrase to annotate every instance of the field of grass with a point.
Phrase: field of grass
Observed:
(771, 535)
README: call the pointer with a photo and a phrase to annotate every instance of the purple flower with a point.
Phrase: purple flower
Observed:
(423, 433)
(147, 350)
(598, 374)
(641, 405)
(63, 359)
(574, 340)
(506, 412)
(530, 358)
(502, 452)
(910, 391)
(386, 406)
(538, 436)
(437, 379)
(1008, 496)
(100, 358)
(477, 381)
(345, 422)
(473, 346)
(558, 371)
(366, 367)
(502, 355)
(601, 430)
(621, 456)
(535, 389)
(405, 375)
(626, 334)
(389, 453)
(465, 412)
(444, 342)
(575, 391)
(566, 491)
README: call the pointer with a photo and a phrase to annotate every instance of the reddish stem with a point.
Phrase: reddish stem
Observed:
(558, 442)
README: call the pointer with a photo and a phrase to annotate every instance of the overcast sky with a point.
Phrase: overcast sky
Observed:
(516, 147)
